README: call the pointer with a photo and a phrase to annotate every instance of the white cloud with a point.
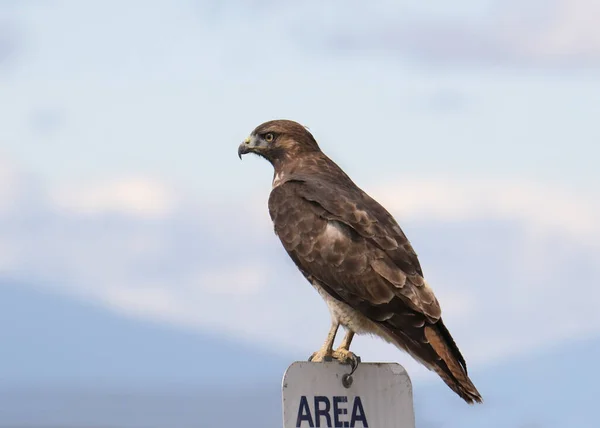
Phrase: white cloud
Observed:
(8, 184)
(236, 280)
(541, 208)
(137, 196)
(571, 32)
(147, 301)
(548, 33)
(504, 259)
(18, 190)
(546, 263)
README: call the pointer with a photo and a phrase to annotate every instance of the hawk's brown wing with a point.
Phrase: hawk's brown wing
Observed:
(353, 247)
(371, 259)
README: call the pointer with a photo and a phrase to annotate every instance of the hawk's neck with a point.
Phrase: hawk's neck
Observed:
(309, 165)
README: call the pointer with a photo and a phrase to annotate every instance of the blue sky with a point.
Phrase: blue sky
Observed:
(474, 122)
(85, 83)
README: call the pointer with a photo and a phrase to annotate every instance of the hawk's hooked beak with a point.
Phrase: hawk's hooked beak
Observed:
(245, 147)
(252, 144)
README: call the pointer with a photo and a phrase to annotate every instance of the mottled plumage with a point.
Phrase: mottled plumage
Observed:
(354, 253)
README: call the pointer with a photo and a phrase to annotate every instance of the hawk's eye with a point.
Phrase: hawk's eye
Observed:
(269, 137)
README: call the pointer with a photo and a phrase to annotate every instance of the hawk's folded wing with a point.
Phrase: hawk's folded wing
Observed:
(352, 245)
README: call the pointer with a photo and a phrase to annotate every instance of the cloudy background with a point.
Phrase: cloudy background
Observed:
(136, 251)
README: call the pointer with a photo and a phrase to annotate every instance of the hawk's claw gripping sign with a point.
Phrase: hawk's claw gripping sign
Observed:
(379, 396)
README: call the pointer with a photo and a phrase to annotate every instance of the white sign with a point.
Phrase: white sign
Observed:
(378, 396)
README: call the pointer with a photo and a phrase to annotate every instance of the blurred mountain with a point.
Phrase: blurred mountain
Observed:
(71, 364)
(58, 341)
(551, 388)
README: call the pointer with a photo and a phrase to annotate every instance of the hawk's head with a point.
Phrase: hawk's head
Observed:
(279, 140)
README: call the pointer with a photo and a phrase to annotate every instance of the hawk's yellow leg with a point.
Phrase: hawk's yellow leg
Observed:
(326, 351)
(341, 354)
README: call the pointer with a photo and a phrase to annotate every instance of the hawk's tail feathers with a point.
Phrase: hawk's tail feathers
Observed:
(450, 365)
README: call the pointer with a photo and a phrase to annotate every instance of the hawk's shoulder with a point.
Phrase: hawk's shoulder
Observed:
(338, 198)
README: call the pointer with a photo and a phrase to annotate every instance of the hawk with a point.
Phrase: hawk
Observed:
(355, 255)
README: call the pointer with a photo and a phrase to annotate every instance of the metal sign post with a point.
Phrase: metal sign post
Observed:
(323, 395)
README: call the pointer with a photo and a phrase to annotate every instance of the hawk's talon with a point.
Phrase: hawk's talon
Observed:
(344, 356)
(320, 356)
(355, 364)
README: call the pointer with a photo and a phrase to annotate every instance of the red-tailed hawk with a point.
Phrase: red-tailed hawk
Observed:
(354, 254)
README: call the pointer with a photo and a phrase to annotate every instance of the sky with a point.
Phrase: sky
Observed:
(473, 122)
